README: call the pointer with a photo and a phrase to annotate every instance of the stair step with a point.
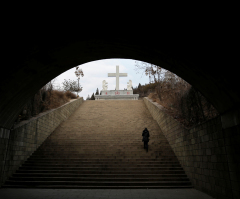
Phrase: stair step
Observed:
(98, 165)
(101, 168)
(100, 147)
(114, 156)
(100, 175)
(104, 183)
(79, 161)
(103, 171)
(97, 179)
(95, 159)
(98, 187)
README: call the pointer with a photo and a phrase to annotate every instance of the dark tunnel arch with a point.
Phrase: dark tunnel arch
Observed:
(35, 64)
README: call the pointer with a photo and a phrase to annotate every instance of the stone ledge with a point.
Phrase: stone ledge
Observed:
(201, 149)
(43, 114)
(117, 97)
(26, 137)
(164, 111)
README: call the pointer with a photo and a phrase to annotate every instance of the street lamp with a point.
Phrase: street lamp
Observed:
(78, 73)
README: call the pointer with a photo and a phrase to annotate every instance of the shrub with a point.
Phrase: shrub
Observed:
(70, 95)
(45, 99)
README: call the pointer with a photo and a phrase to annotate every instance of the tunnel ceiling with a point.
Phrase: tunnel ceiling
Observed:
(32, 62)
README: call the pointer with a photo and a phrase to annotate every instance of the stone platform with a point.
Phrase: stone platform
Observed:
(117, 95)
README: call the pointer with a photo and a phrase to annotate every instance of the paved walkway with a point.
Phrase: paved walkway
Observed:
(102, 193)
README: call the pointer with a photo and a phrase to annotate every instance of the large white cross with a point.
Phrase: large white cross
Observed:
(117, 75)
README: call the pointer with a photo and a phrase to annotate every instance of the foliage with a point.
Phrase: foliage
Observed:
(71, 85)
(70, 95)
(88, 98)
(195, 108)
(180, 99)
(97, 92)
(150, 70)
(92, 97)
(44, 99)
(144, 90)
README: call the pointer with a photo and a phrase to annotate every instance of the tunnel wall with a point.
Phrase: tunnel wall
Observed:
(207, 152)
(18, 144)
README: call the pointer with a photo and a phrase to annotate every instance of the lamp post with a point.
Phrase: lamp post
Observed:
(78, 73)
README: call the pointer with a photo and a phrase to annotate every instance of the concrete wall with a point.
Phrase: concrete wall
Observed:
(18, 144)
(208, 153)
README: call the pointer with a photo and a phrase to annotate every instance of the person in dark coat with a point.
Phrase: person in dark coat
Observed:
(145, 139)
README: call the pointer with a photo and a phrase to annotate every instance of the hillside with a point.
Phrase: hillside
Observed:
(180, 100)
(45, 99)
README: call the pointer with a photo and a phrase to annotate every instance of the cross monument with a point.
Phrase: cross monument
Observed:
(117, 75)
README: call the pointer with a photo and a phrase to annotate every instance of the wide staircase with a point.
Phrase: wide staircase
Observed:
(100, 146)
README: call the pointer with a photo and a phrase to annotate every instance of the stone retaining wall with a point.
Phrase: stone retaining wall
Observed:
(201, 150)
(18, 144)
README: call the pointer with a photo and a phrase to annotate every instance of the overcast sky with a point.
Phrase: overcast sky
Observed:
(97, 71)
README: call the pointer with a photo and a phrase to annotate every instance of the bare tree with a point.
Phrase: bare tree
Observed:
(153, 71)
(71, 85)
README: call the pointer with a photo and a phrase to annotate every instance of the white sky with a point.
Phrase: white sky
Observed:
(97, 71)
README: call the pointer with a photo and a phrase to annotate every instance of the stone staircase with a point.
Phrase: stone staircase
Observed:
(100, 146)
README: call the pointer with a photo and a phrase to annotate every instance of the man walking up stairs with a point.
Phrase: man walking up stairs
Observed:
(100, 146)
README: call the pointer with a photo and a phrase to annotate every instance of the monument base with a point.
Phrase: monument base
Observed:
(117, 95)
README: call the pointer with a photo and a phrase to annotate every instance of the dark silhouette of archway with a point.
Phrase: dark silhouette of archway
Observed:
(35, 55)
(34, 62)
